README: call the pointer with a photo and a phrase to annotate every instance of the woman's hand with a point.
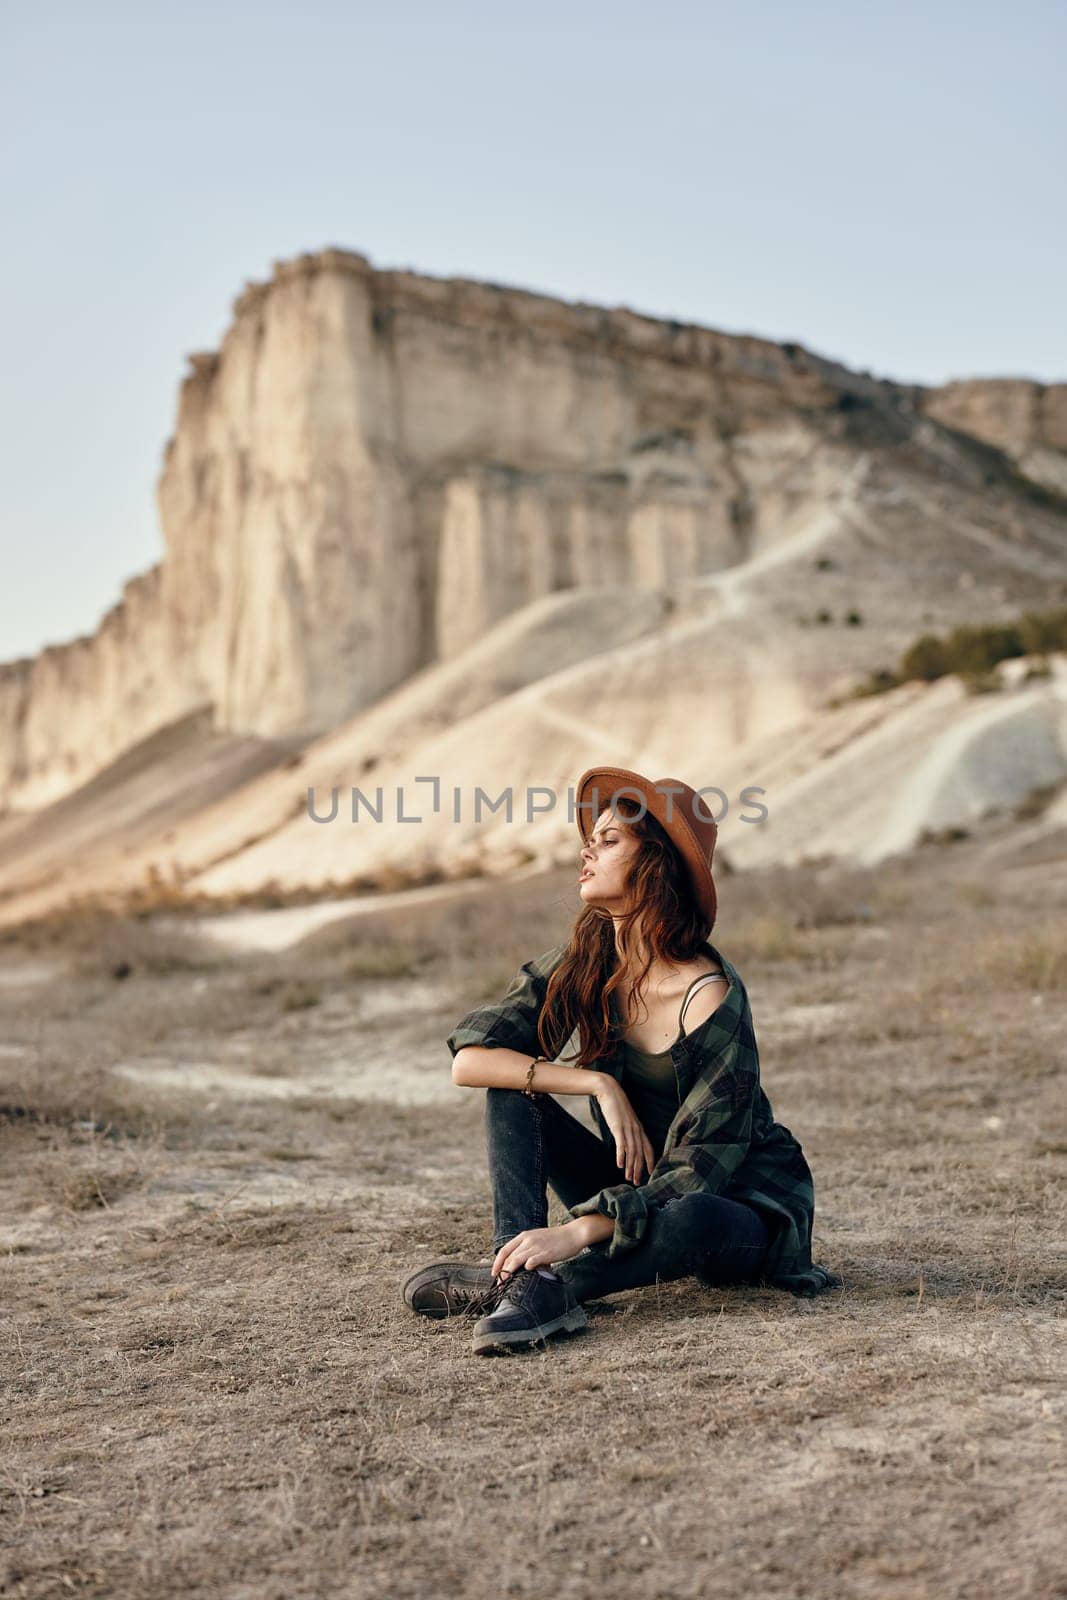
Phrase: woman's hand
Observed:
(539, 1247)
(633, 1148)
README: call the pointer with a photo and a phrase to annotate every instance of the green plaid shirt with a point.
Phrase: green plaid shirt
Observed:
(723, 1140)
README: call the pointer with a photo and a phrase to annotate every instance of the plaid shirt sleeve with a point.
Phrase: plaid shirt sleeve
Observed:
(709, 1141)
(511, 1023)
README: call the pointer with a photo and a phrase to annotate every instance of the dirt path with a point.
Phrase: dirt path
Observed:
(823, 523)
(284, 926)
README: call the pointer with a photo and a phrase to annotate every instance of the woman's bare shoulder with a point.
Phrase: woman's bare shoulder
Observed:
(708, 997)
(699, 967)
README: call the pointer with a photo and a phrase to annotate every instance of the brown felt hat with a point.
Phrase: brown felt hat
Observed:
(678, 809)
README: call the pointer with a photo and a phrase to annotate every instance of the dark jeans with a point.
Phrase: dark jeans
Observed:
(534, 1142)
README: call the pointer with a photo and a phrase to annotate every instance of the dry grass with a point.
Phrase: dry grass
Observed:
(213, 1389)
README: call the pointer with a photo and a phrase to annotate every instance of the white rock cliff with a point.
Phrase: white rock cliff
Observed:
(376, 467)
(419, 525)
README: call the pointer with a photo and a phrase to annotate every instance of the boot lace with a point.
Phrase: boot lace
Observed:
(488, 1299)
(516, 1288)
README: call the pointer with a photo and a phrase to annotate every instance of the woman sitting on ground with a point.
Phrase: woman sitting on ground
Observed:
(691, 1174)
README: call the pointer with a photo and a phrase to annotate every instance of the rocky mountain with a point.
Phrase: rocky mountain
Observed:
(419, 528)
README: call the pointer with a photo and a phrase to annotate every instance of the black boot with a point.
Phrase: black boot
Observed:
(452, 1288)
(530, 1309)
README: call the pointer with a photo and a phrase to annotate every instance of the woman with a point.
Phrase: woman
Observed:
(691, 1174)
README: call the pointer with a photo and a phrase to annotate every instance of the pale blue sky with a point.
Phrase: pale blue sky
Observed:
(882, 184)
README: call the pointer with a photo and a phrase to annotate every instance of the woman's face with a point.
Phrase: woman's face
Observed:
(606, 858)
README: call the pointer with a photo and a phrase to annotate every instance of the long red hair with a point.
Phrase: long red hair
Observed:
(662, 908)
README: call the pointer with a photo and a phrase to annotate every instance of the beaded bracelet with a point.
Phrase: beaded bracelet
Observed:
(529, 1076)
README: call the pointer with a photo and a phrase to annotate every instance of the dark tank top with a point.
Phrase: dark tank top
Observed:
(649, 1077)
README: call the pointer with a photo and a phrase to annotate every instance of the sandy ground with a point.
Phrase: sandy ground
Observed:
(220, 1162)
(288, 925)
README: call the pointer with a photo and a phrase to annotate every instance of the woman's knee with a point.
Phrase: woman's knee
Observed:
(510, 1121)
(687, 1209)
(710, 1220)
(506, 1102)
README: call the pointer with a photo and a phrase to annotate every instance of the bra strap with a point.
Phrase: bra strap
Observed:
(705, 977)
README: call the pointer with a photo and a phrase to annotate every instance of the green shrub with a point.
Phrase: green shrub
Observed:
(927, 658)
(1043, 630)
(972, 650)
(877, 683)
(975, 649)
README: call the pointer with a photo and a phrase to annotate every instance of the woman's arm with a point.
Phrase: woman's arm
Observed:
(484, 1067)
(477, 1066)
(691, 1168)
(592, 1227)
